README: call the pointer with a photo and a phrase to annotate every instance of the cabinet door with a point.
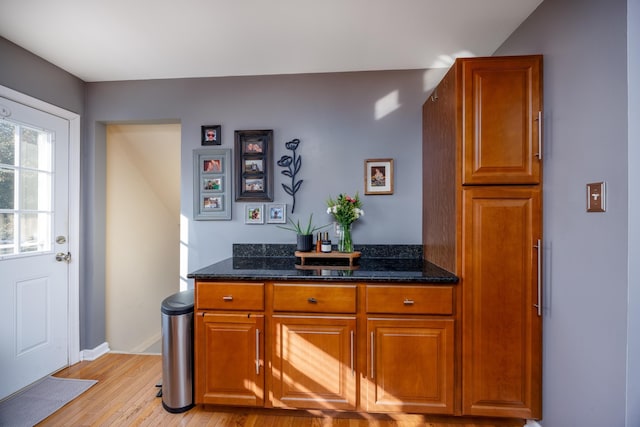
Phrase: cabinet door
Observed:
(410, 366)
(502, 328)
(314, 362)
(502, 98)
(229, 359)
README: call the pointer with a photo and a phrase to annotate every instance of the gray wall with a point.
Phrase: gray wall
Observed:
(334, 116)
(586, 273)
(25, 72)
(633, 329)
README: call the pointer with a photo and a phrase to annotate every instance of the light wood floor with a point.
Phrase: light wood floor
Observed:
(125, 395)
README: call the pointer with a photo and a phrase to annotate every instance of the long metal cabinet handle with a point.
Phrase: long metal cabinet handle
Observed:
(372, 353)
(257, 351)
(353, 372)
(539, 153)
(539, 304)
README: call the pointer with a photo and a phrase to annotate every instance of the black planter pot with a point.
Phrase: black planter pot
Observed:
(304, 242)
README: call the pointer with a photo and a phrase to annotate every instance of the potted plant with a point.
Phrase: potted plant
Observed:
(304, 233)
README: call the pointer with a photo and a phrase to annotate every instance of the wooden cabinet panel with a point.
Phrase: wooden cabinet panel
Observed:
(410, 365)
(229, 352)
(229, 296)
(314, 298)
(314, 362)
(403, 299)
(502, 335)
(501, 101)
(482, 171)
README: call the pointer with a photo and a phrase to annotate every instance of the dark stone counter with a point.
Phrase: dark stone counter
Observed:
(378, 263)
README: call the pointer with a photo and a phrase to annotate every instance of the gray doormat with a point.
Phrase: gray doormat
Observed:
(39, 400)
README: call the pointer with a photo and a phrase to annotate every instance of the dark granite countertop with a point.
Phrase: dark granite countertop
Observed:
(254, 265)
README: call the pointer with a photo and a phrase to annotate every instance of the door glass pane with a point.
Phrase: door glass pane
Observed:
(7, 240)
(7, 188)
(35, 149)
(34, 232)
(35, 189)
(7, 143)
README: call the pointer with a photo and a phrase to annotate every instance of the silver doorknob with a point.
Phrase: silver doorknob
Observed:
(62, 257)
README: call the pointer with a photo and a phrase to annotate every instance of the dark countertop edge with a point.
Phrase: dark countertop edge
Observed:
(394, 279)
(430, 272)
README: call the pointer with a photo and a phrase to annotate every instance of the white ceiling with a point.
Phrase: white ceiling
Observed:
(106, 40)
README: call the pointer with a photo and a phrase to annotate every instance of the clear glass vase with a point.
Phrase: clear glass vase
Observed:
(345, 242)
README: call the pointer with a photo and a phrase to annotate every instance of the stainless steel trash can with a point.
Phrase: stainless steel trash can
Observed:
(177, 352)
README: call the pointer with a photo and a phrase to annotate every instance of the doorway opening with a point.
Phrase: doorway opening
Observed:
(143, 232)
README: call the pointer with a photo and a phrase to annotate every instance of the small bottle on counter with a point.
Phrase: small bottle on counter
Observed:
(326, 243)
(319, 242)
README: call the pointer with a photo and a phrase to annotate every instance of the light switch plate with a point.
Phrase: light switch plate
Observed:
(596, 197)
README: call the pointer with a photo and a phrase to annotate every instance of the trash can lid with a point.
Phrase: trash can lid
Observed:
(178, 303)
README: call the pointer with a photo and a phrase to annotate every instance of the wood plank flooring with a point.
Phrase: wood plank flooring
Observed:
(125, 395)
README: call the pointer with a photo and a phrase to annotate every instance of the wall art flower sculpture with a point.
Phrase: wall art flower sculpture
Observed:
(292, 165)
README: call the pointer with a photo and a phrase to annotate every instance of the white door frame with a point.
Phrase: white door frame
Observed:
(74, 211)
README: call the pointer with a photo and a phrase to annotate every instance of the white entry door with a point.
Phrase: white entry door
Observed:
(34, 254)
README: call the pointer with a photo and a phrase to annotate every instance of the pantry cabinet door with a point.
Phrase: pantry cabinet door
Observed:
(501, 132)
(502, 322)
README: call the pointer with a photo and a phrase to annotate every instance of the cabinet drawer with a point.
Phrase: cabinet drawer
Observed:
(339, 298)
(229, 296)
(409, 299)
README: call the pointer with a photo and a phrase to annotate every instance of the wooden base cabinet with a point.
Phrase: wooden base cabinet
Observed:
(230, 359)
(314, 362)
(377, 347)
(410, 365)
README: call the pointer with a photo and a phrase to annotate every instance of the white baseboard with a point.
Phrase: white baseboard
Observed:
(147, 343)
(532, 423)
(94, 353)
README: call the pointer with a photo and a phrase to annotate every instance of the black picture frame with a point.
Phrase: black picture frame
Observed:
(211, 135)
(254, 165)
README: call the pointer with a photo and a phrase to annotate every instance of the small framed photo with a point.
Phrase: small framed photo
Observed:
(213, 203)
(211, 135)
(212, 184)
(253, 185)
(213, 165)
(252, 146)
(276, 213)
(378, 176)
(254, 214)
(253, 166)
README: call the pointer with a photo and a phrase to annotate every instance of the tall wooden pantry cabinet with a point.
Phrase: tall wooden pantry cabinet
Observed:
(482, 219)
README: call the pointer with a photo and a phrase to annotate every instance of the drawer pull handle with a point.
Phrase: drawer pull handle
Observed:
(227, 298)
(408, 301)
(312, 300)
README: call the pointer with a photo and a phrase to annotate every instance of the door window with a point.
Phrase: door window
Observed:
(26, 179)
